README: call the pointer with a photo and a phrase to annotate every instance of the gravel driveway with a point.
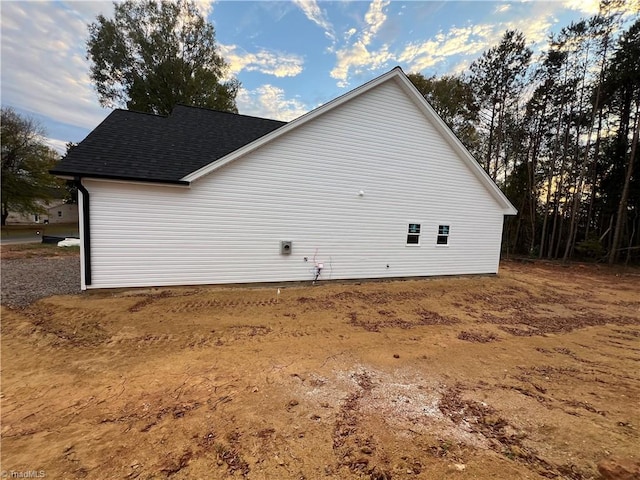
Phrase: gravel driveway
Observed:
(25, 280)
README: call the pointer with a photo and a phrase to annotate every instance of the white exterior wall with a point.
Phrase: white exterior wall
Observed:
(303, 187)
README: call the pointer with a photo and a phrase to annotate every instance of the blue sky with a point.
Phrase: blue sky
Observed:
(290, 56)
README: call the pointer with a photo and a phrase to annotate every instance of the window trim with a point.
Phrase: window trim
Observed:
(443, 235)
(413, 234)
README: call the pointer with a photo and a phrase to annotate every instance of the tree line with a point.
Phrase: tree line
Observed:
(558, 133)
(26, 160)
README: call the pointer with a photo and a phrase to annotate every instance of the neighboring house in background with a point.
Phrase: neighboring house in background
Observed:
(57, 211)
(370, 185)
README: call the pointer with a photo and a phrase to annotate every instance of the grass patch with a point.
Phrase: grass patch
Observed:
(55, 229)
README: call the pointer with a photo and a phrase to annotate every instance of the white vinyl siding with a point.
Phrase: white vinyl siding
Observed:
(304, 187)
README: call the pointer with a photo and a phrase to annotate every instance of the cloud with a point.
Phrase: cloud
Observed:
(268, 101)
(536, 29)
(585, 6)
(356, 59)
(205, 7)
(629, 8)
(465, 44)
(313, 12)
(59, 146)
(374, 19)
(270, 63)
(358, 55)
(350, 33)
(452, 50)
(470, 40)
(44, 69)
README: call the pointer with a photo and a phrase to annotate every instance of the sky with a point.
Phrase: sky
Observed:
(290, 56)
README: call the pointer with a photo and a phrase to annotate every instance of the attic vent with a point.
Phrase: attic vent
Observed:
(285, 247)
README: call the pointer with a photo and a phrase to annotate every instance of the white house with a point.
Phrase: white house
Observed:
(370, 185)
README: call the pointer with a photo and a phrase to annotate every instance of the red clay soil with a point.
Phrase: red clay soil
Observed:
(531, 374)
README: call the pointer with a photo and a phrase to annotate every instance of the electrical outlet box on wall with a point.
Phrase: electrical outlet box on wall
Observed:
(285, 247)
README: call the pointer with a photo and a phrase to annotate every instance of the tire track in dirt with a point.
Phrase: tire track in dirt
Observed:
(199, 305)
(80, 327)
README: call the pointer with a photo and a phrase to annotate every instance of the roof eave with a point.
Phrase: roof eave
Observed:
(121, 178)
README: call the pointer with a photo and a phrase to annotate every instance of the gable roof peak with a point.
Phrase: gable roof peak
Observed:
(402, 80)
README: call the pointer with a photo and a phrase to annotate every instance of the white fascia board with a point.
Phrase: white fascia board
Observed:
(307, 117)
(458, 146)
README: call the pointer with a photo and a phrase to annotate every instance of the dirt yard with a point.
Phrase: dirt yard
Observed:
(531, 374)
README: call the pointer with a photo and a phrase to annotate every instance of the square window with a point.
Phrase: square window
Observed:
(443, 235)
(413, 234)
(59, 213)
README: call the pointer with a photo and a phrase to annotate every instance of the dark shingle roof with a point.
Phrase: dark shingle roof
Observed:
(144, 147)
